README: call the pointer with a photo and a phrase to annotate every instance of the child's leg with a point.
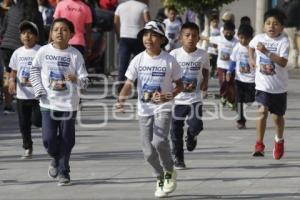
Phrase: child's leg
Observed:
(49, 134)
(195, 120)
(24, 114)
(261, 122)
(279, 125)
(222, 82)
(160, 139)
(179, 114)
(150, 154)
(36, 116)
(66, 141)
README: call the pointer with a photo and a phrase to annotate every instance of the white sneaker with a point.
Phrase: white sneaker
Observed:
(27, 154)
(170, 181)
(159, 192)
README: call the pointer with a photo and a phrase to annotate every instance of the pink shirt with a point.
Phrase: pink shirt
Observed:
(79, 14)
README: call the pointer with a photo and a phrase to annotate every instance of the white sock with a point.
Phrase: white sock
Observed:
(277, 139)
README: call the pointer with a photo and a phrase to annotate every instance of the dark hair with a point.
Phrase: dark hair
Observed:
(214, 17)
(29, 27)
(228, 25)
(172, 8)
(277, 14)
(245, 20)
(65, 21)
(190, 25)
(246, 30)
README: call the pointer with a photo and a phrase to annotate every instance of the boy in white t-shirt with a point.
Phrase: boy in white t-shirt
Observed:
(225, 43)
(155, 71)
(243, 73)
(57, 73)
(173, 25)
(195, 67)
(20, 63)
(271, 79)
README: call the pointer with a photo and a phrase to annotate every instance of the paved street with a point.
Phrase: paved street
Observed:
(107, 162)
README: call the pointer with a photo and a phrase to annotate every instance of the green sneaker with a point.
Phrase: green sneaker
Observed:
(223, 101)
(170, 181)
(159, 192)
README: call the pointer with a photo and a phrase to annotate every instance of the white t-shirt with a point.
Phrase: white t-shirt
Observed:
(225, 48)
(271, 77)
(153, 74)
(21, 61)
(172, 33)
(191, 69)
(131, 14)
(243, 71)
(55, 64)
(213, 33)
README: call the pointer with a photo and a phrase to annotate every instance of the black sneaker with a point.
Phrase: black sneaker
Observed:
(179, 164)
(8, 110)
(64, 180)
(191, 143)
(52, 170)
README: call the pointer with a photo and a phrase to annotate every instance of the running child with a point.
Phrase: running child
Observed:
(156, 71)
(271, 79)
(57, 73)
(19, 83)
(195, 67)
(243, 73)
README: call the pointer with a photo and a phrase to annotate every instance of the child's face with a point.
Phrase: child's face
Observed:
(244, 40)
(228, 34)
(61, 34)
(28, 38)
(172, 15)
(189, 39)
(152, 41)
(273, 27)
(214, 23)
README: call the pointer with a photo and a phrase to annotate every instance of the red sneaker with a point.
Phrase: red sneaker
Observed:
(278, 150)
(259, 149)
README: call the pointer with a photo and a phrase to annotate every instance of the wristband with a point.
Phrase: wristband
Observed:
(11, 79)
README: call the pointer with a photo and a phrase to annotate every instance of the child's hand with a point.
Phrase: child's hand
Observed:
(161, 97)
(228, 77)
(252, 63)
(120, 106)
(71, 77)
(12, 87)
(261, 47)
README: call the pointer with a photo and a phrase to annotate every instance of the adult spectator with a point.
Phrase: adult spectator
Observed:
(47, 13)
(81, 16)
(19, 11)
(129, 19)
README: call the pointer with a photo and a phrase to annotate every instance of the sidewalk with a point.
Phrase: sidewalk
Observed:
(107, 162)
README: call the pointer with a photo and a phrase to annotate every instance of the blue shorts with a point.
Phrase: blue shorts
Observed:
(276, 103)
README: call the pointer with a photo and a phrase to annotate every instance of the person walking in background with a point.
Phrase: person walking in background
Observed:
(57, 73)
(19, 83)
(80, 15)
(19, 11)
(173, 26)
(47, 13)
(243, 73)
(195, 67)
(129, 19)
(271, 79)
(156, 71)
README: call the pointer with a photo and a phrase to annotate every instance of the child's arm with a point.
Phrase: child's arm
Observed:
(274, 57)
(12, 82)
(36, 82)
(231, 69)
(164, 97)
(124, 95)
(252, 62)
(204, 83)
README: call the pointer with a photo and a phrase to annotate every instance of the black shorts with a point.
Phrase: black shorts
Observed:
(276, 103)
(245, 92)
